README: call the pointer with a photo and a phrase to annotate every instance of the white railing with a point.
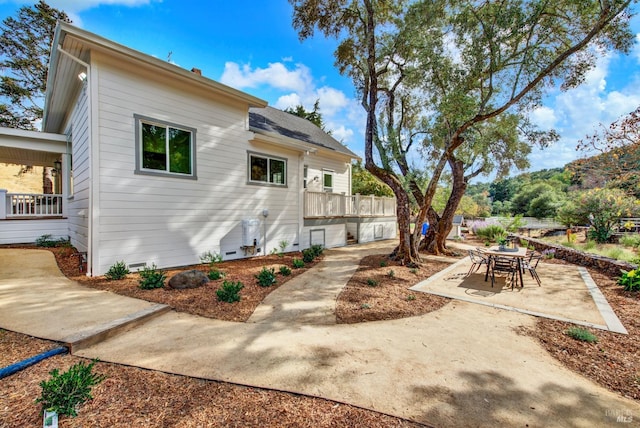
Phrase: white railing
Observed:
(323, 204)
(25, 205)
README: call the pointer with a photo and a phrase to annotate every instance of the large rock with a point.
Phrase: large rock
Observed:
(188, 279)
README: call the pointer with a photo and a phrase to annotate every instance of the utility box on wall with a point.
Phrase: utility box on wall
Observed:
(250, 233)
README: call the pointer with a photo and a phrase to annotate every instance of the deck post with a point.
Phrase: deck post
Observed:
(3, 204)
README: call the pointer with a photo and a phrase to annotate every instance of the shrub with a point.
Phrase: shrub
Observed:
(47, 241)
(151, 277)
(391, 273)
(490, 232)
(317, 250)
(117, 271)
(215, 274)
(297, 264)
(582, 334)
(210, 258)
(266, 277)
(285, 271)
(383, 263)
(549, 253)
(283, 245)
(372, 282)
(63, 393)
(630, 280)
(230, 291)
(308, 255)
(411, 297)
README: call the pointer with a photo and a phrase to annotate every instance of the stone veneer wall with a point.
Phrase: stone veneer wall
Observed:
(606, 265)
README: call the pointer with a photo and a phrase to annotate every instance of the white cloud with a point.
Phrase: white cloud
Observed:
(544, 117)
(275, 75)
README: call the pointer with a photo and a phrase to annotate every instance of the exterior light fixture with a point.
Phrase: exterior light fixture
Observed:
(82, 76)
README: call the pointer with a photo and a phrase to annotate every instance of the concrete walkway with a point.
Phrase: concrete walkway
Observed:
(464, 365)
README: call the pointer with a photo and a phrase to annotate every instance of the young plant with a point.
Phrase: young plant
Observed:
(317, 250)
(411, 297)
(64, 392)
(283, 245)
(391, 273)
(210, 258)
(151, 277)
(582, 334)
(308, 255)
(47, 241)
(383, 263)
(215, 273)
(266, 277)
(372, 282)
(630, 280)
(285, 271)
(297, 264)
(229, 291)
(549, 253)
(117, 271)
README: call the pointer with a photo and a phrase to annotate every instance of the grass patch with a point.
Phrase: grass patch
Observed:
(582, 334)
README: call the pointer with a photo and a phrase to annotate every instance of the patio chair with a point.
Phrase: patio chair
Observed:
(531, 264)
(503, 265)
(478, 258)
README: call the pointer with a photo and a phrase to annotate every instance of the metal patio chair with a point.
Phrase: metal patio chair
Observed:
(531, 264)
(503, 265)
(478, 259)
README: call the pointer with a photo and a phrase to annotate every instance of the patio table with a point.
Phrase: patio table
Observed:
(518, 255)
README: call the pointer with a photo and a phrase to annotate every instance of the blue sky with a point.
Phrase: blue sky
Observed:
(250, 45)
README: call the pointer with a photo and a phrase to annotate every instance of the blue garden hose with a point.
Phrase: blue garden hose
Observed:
(21, 365)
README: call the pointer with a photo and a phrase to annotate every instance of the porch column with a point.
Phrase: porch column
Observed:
(3, 204)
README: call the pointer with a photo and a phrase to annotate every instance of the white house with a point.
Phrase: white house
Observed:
(158, 164)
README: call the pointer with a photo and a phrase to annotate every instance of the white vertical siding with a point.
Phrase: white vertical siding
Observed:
(78, 204)
(167, 220)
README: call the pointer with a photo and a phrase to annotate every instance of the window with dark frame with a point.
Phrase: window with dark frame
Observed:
(165, 148)
(266, 169)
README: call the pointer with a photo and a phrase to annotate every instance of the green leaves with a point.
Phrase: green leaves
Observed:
(64, 392)
(25, 43)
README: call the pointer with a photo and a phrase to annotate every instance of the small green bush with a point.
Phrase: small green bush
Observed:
(317, 250)
(64, 392)
(215, 274)
(297, 264)
(266, 277)
(285, 271)
(490, 232)
(630, 280)
(589, 245)
(210, 258)
(391, 273)
(372, 282)
(117, 271)
(630, 240)
(411, 297)
(383, 263)
(582, 334)
(414, 271)
(308, 255)
(46, 241)
(151, 277)
(229, 291)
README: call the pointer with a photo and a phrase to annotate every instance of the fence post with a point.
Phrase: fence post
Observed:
(3, 204)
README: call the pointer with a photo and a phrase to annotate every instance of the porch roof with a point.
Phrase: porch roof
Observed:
(22, 147)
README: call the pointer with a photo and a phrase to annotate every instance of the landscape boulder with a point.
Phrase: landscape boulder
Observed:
(188, 279)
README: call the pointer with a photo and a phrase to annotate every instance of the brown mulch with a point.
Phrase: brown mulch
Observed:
(136, 398)
(201, 301)
(378, 291)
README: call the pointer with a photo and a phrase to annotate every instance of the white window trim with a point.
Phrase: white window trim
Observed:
(268, 158)
(139, 119)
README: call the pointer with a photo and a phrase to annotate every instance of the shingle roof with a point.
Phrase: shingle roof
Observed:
(270, 119)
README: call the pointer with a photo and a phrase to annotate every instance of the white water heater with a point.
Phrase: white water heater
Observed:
(250, 232)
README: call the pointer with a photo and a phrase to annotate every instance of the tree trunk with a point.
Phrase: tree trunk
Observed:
(457, 192)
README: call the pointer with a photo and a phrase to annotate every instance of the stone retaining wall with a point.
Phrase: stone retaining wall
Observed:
(606, 265)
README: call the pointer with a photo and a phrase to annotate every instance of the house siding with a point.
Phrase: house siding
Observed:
(171, 221)
(77, 211)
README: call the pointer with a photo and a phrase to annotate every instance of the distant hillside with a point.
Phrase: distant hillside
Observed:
(14, 182)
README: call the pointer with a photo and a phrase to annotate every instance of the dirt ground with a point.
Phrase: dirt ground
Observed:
(378, 291)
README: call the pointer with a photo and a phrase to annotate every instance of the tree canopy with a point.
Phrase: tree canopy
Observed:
(25, 43)
(434, 76)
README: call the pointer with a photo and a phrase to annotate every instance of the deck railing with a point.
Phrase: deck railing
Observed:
(323, 204)
(31, 205)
